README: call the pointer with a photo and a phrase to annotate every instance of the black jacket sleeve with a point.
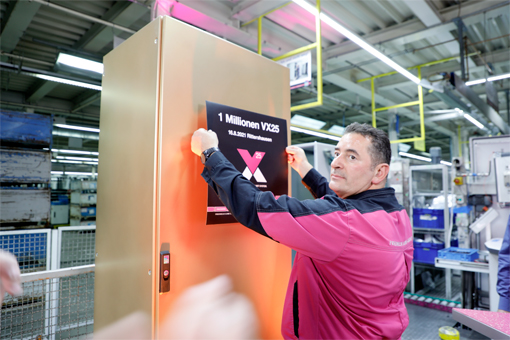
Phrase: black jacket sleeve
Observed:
(317, 184)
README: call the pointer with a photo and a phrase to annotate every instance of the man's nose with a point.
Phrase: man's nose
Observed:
(336, 163)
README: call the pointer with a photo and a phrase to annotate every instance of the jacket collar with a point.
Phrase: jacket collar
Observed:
(389, 191)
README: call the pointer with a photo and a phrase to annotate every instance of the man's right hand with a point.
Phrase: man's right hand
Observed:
(297, 160)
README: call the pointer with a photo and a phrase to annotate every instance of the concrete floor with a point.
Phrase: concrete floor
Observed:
(424, 323)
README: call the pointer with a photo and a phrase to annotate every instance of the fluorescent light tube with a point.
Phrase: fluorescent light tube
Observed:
(74, 173)
(307, 122)
(80, 63)
(72, 162)
(358, 41)
(64, 161)
(77, 152)
(474, 121)
(80, 173)
(475, 82)
(493, 78)
(339, 130)
(501, 76)
(446, 163)
(410, 155)
(78, 158)
(67, 81)
(314, 133)
(73, 127)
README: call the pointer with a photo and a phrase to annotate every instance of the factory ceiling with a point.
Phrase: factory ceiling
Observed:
(411, 33)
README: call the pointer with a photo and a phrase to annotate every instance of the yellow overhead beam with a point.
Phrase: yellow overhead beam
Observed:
(296, 51)
(305, 106)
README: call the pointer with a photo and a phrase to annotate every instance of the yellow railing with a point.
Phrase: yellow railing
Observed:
(317, 45)
(418, 102)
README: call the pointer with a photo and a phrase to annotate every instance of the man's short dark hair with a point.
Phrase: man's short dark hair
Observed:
(380, 149)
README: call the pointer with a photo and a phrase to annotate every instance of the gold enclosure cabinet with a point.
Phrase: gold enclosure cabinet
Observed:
(150, 193)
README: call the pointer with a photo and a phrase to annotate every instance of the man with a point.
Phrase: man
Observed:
(354, 245)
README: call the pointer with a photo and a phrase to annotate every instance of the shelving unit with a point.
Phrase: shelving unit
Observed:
(427, 182)
(83, 203)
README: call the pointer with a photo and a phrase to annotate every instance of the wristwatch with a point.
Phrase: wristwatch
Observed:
(204, 156)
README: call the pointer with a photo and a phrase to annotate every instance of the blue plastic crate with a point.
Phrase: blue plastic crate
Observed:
(88, 211)
(428, 218)
(459, 254)
(426, 252)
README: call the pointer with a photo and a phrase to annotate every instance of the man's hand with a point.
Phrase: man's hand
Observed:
(297, 160)
(203, 140)
(10, 277)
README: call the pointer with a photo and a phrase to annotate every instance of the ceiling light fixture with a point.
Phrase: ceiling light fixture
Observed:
(77, 152)
(307, 122)
(78, 158)
(336, 129)
(421, 158)
(80, 173)
(74, 173)
(475, 82)
(314, 133)
(358, 41)
(80, 63)
(72, 162)
(74, 127)
(67, 81)
(474, 121)
(501, 76)
(410, 155)
(403, 147)
(493, 78)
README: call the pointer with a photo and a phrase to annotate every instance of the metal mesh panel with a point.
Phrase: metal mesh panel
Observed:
(56, 308)
(29, 248)
(78, 248)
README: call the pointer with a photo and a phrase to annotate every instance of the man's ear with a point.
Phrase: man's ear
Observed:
(381, 172)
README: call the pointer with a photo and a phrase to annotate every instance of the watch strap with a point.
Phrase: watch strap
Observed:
(207, 153)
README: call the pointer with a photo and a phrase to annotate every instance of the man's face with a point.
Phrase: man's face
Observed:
(351, 170)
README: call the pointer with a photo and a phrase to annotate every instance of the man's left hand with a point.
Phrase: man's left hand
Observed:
(203, 140)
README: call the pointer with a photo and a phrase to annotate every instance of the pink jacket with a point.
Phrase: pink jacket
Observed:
(353, 255)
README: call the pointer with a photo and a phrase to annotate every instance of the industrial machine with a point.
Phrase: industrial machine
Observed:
(482, 208)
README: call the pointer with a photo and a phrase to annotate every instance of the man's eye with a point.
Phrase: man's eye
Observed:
(337, 154)
(352, 157)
